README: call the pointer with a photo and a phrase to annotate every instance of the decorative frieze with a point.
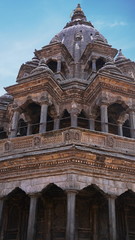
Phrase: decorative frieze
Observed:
(93, 139)
(21, 143)
(71, 136)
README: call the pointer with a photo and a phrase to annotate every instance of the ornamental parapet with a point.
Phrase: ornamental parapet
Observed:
(51, 141)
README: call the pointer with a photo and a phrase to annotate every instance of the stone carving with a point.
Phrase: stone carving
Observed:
(93, 139)
(67, 136)
(52, 140)
(110, 141)
(7, 146)
(71, 136)
(22, 144)
(125, 145)
(36, 141)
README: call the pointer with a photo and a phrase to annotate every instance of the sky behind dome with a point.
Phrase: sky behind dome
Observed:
(26, 25)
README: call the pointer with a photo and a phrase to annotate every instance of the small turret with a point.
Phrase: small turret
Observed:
(120, 56)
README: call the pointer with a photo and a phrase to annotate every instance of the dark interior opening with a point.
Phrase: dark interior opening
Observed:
(83, 122)
(65, 120)
(52, 65)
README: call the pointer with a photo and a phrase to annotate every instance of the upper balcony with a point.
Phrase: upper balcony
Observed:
(64, 139)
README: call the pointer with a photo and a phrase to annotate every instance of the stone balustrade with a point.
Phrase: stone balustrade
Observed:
(68, 136)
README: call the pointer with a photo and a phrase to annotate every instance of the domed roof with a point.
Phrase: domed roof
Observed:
(78, 30)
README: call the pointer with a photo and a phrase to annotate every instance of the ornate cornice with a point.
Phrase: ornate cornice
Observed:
(79, 150)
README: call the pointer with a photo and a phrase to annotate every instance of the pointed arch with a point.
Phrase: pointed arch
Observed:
(82, 119)
(125, 207)
(51, 213)
(92, 213)
(65, 120)
(114, 111)
(16, 209)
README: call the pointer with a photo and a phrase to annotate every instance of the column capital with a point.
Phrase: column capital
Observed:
(34, 195)
(56, 116)
(111, 196)
(104, 102)
(71, 191)
(44, 101)
(93, 116)
(16, 108)
(131, 110)
(93, 58)
(74, 108)
(120, 121)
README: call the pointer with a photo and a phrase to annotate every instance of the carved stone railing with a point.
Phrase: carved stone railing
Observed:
(65, 137)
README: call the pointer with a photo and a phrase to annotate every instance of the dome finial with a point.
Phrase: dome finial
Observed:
(78, 6)
(78, 14)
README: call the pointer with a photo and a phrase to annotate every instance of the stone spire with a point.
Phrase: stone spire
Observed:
(78, 14)
(120, 56)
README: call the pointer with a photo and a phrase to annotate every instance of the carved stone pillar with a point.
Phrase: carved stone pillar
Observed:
(56, 123)
(112, 217)
(74, 114)
(43, 117)
(29, 129)
(104, 117)
(32, 217)
(59, 65)
(74, 118)
(70, 229)
(92, 122)
(120, 129)
(1, 216)
(94, 69)
(132, 123)
(15, 120)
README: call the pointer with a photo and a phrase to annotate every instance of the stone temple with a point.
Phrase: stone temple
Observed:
(67, 148)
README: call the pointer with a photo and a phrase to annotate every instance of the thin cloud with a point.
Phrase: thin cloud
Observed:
(115, 24)
(104, 24)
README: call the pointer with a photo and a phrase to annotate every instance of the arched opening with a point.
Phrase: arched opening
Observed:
(33, 112)
(65, 120)
(16, 210)
(51, 214)
(114, 111)
(125, 208)
(83, 122)
(91, 214)
(126, 129)
(100, 63)
(3, 133)
(22, 128)
(50, 118)
(52, 64)
(98, 119)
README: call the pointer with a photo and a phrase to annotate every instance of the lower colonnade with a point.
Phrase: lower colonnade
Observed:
(56, 214)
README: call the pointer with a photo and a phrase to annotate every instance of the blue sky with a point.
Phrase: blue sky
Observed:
(26, 25)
